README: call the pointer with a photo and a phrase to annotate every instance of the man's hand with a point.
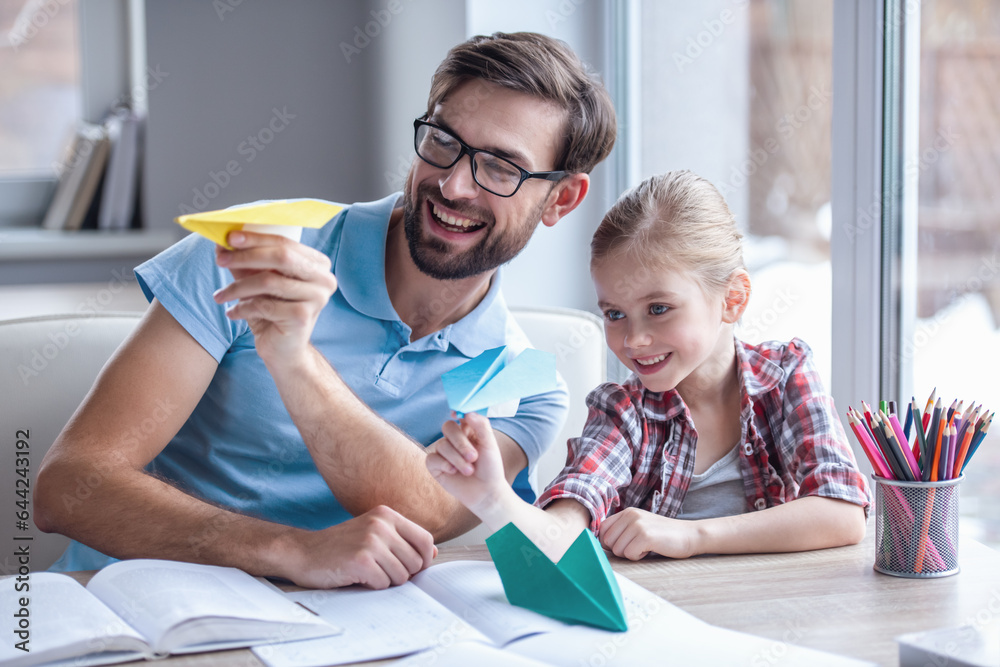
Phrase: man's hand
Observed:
(378, 549)
(633, 533)
(280, 285)
(467, 463)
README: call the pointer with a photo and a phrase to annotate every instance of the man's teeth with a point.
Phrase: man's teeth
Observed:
(651, 360)
(452, 220)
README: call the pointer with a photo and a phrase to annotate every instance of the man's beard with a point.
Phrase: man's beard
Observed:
(432, 255)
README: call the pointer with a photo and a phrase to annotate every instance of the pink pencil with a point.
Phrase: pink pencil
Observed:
(873, 453)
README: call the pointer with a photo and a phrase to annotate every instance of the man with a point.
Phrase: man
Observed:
(275, 434)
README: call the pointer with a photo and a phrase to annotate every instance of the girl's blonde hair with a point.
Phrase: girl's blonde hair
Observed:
(676, 220)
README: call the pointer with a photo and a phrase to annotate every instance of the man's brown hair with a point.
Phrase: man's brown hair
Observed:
(543, 67)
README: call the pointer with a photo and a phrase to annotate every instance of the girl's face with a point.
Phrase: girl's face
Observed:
(659, 322)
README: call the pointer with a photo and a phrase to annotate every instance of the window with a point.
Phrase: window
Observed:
(39, 91)
(62, 61)
(741, 94)
(952, 341)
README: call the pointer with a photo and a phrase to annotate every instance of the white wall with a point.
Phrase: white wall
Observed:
(354, 74)
(554, 268)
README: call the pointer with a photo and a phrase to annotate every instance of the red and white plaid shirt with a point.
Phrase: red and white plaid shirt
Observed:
(638, 446)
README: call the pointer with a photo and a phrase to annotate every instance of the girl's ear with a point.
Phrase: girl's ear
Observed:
(737, 296)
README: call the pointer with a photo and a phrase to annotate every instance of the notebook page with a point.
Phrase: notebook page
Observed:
(472, 590)
(468, 653)
(657, 628)
(376, 624)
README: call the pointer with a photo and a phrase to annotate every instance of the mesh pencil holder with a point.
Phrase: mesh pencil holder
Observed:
(916, 528)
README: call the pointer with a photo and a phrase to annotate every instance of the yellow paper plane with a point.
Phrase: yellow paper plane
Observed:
(285, 218)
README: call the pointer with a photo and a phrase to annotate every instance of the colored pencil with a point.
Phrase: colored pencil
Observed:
(938, 436)
(951, 411)
(929, 407)
(868, 413)
(919, 442)
(925, 538)
(978, 439)
(869, 448)
(903, 444)
(968, 430)
(909, 419)
(891, 448)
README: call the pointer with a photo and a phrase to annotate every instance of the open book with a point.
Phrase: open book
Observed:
(456, 614)
(144, 609)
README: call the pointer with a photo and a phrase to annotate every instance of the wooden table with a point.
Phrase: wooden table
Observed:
(831, 600)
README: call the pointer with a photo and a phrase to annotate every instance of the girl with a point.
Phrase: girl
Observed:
(711, 445)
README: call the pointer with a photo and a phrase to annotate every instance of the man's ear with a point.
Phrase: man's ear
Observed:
(565, 196)
(737, 296)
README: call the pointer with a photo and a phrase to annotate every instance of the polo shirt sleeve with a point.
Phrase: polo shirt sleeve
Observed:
(813, 437)
(183, 279)
(601, 458)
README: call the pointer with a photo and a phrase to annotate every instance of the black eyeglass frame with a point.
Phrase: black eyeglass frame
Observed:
(471, 152)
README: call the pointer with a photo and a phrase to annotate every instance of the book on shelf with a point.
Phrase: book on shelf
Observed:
(119, 193)
(456, 613)
(98, 186)
(146, 608)
(79, 178)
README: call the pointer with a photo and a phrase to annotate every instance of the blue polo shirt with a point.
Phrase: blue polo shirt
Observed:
(240, 448)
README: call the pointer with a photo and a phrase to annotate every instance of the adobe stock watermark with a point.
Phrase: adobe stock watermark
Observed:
(561, 13)
(704, 39)
(362, 35)
(782, 303)
(396, 179)
(777, 652)
(925, 331)
(223, 7)
(82, 150)
(786, 126)
(163, 409)
(33, 17)
(865, 218)
(248, 149)
(41, 357)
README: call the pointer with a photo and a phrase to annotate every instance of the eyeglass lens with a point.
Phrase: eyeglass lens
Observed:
(492, 172)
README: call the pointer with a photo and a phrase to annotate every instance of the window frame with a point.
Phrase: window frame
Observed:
(108, 35)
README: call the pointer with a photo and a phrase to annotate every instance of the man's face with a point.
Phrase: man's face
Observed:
(455, 228)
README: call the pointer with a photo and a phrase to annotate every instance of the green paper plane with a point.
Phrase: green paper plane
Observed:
(580, 588)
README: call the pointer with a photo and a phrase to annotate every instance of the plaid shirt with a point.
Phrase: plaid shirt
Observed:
(638, 446)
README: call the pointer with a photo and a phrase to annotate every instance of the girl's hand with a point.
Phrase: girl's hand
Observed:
(467, 463)
(633, 533)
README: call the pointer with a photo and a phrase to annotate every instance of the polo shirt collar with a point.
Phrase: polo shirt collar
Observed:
(360, 261)
(360, 271)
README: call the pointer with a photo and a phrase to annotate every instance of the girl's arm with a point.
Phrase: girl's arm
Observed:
(810, 522)
(467, 463)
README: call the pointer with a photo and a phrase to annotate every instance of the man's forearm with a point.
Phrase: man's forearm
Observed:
(115, 519)
(364, 459)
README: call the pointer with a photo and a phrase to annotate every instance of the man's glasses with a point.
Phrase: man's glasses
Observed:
(439, 147)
